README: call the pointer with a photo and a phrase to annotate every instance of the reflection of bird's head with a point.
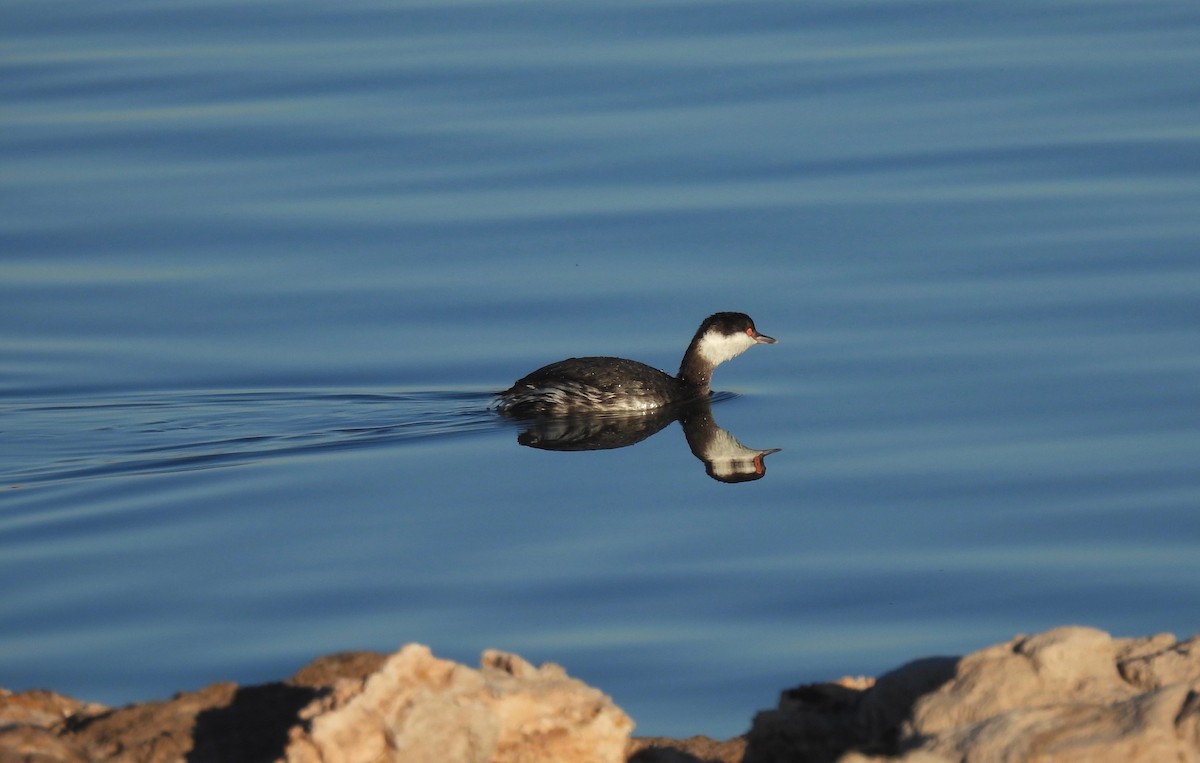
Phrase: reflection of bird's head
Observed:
(727, 460)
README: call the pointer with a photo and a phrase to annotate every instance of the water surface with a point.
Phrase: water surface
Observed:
(263, 266)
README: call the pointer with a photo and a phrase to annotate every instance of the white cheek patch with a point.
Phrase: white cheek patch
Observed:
(716, 348)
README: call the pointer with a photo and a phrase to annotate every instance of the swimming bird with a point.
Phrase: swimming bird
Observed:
(615, 385)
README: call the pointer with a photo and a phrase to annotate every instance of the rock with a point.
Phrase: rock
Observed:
(697, 749)
(42, 709)
(1062, 696)
(219, 723)
(32, 725)
(30, 744)
(1066, 695)
(324, 671)
(818, 722)
(417, 708)
(410, 706)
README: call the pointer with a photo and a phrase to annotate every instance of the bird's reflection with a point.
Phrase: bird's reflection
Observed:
(725, 459)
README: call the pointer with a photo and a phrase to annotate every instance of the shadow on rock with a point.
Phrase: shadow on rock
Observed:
(252, 727)
(818, 723)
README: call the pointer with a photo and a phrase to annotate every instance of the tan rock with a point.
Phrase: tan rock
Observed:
(31, 744)
(1025, 673)
(1063, 696)
(347, 707)
(41, 708)
(32, 725)
(417, 707)
(1068, 695)
(1138, 729)
(327, 669)
(1158, 661)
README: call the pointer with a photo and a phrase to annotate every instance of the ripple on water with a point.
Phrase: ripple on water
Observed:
(174, 432)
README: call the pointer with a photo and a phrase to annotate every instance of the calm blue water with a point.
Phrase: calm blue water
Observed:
(262, 264)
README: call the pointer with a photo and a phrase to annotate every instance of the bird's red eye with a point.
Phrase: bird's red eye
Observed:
(749, 332)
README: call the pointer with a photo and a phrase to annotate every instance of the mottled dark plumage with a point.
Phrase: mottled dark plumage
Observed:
(617, 385)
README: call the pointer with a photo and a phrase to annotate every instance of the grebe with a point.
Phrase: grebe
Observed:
(617, 385)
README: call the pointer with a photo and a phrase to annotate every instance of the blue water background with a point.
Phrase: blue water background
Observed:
(261, 265)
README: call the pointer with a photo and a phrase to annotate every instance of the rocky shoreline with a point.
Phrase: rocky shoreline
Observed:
(1068, 694)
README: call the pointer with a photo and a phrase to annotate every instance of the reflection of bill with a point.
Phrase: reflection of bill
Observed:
(725, 459)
